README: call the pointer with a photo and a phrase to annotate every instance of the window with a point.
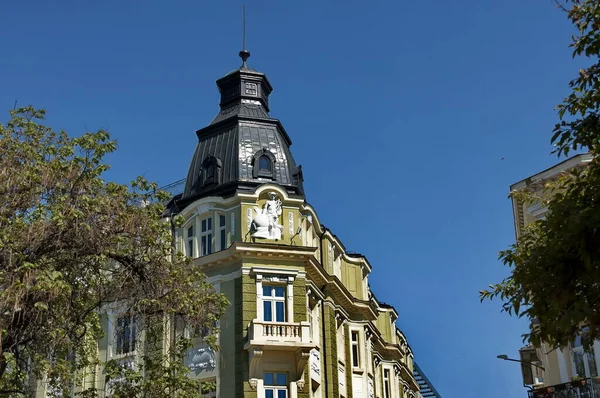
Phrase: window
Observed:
(584, 361)
(208, 389)
(211, 168)
(263, 164)
(341, 343)
(337, 263)
(222, 232)
(125, 334)
(386, 383)
(355, 349)
(251, 89)
(206, 237)
(275, 385)
(274, 303)
(190, 240)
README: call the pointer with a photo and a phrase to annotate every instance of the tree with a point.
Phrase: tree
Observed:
(71, 244)
(555, 264)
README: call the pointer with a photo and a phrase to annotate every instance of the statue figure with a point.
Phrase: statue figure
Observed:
(265, 224)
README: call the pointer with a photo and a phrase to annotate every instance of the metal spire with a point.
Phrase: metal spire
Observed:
(244, 54)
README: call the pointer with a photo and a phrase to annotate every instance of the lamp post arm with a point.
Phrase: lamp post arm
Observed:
(526, 363)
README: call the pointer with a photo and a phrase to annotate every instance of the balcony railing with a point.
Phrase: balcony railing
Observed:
(583, 388)
(278, 332)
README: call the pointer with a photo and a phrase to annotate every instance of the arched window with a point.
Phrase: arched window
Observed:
(263, 165)
(211, 171)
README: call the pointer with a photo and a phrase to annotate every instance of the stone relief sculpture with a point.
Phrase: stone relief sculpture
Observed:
(266, 221)
(201, 359)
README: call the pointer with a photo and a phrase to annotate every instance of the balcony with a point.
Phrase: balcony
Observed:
(265, 337)
(279, 335)
(584, 388)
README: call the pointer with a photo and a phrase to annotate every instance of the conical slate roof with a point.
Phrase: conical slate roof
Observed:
(243, 146)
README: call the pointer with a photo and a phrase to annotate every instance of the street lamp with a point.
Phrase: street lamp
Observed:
(506, 358)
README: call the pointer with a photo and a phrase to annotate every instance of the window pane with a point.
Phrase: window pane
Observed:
(267, 311)
(190, 231)
(354, 336)
(119, 344)
(208, 243)
(223, 239)
(264, 163)
(355, 355)
(269, 394)
(133, 333)
(592, 364)
(281, 394)
(268, 379)
(190, 248)
(203, 225)
(279, 291)
(204, 245)
(209, 224)
(267, 290)
(579, 366)
(280, 312)
(281, 379)
(221, 220)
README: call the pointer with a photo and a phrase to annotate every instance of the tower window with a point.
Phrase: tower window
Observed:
(251, 89)
(211, 170)
(263, 164)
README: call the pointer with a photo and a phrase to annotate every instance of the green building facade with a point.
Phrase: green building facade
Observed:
(303, 321)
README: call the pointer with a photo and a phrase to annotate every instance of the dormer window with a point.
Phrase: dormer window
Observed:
(211, 171)
(263, 164)
(251, 89)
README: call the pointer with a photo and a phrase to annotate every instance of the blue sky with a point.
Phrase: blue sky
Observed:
(420, 113)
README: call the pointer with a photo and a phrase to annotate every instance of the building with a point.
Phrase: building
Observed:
(303, 321)
(554, 371)
(426, 388)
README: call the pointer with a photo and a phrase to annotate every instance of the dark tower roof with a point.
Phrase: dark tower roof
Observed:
(243, 146)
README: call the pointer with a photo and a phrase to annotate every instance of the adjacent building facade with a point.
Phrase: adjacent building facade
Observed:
(303, 321)
(426, 388)
(555, 371)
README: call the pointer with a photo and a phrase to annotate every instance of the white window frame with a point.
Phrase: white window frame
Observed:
(274, 276)
(221, 235)
(206, 236)
(585, 357)
(133, 342)
(276, 388)
(190, 239)
(387, 383)
(274, 300)
(341, 341)
(355, 344)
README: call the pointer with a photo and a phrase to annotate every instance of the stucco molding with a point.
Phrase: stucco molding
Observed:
(256, 355)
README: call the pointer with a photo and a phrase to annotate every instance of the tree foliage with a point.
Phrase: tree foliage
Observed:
(72, 244)
(555, 278)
